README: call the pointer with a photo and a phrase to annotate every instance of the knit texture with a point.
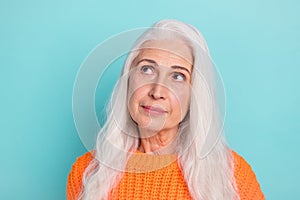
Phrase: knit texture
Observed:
(159, 177)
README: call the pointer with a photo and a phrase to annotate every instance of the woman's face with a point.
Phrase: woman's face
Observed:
(159, 85)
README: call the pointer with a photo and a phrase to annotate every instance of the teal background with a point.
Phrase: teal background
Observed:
(255, 45)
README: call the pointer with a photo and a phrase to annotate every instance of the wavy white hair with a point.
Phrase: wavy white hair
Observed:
(203, 155)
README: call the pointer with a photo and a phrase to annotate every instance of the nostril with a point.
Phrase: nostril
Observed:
(154, 96)
(157, 92)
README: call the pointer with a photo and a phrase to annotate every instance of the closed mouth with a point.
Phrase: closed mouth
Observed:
(154, 110)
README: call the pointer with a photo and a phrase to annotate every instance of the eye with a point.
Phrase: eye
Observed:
(147, 69)
(177, 76)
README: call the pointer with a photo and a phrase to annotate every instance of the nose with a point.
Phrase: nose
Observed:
(158, 91)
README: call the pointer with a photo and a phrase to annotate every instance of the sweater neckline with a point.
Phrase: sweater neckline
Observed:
(141, 162)
(152, 154)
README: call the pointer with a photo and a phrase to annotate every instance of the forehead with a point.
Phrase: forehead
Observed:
(167, 52)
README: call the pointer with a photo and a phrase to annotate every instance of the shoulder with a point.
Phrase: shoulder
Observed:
(245, 178)
(81, 163)
(74, 182)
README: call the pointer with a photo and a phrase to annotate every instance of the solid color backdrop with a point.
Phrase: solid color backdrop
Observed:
(255, 45)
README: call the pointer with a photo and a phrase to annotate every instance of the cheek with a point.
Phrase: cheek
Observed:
(180, 102)
(134, 85)
(135, 96)
(137, 89)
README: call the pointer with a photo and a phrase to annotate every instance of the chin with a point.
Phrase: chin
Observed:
(152, 125)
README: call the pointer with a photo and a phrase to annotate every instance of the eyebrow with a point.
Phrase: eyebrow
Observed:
(148, 60)
(182, 68)
(173, 66)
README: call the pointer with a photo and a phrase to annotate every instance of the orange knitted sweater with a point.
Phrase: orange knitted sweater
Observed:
(166, 182)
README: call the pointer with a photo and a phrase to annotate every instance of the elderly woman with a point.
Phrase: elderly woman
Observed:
(163, 135)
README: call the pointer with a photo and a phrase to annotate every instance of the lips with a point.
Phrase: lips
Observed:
(153, 110)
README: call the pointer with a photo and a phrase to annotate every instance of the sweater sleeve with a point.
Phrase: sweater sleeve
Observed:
(74, 182)
(247, 184)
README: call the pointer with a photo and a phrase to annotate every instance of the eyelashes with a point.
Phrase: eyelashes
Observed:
(179, 76)
(151, 70)
(147, 69)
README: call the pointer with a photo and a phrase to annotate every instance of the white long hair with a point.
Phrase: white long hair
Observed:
(203, 155)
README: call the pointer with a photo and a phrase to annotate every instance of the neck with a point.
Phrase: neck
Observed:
(162, 142)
